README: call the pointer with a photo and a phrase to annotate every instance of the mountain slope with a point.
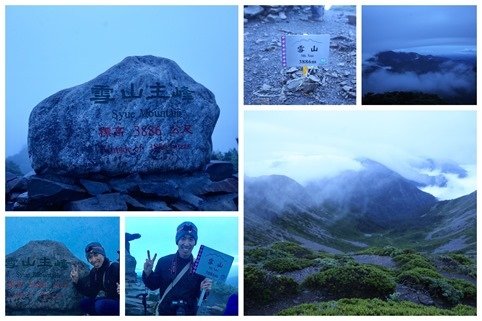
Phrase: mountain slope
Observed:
(277, 208)
(452, 224)
(376, 195)
(374, 206)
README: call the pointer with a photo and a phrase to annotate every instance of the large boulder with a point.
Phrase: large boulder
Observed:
(37, 279)
(143, 115)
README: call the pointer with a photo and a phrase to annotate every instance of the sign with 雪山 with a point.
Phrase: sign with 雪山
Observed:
(213, 264)
(304, 50)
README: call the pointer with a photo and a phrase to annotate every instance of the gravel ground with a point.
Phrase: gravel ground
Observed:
(267, 82)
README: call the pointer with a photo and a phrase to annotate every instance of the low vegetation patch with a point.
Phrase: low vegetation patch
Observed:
(450, 292)
(261, 288)
(287, 264)
(294, 249)
(374, 307)
(356, 281)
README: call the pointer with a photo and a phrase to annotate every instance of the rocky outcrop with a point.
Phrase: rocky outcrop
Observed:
(143, 115)
(136, 192)
(37, 280)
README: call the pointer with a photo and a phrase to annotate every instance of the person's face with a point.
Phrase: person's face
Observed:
(185, 246)
(96, 260)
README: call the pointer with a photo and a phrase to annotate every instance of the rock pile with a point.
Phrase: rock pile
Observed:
(136, 137)
(268, 83)
(271, 13)
(37, 280)
(215, 189)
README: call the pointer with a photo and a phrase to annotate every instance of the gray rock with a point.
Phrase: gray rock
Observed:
(266, 87)
(272, 17)
(294, 84)
(50, 192)
(129, 184)
(10, 176)
(192, 200)
(308, 86)
(143, 115)
(18, 184)
(95, 188)
(194, 184)
(156, 205)
(229, 185)
(135, 205)
(314, 78)
(347, 88)
(37, 278)
(225, 202)
(351, 20)
(131, 263)
(168, 189)
(219, 170)
(17, 206)
(282, 15)
(183, 206)
(292, 70)
(103, 202)
(417, 296)
(22, 198)
(252, 11)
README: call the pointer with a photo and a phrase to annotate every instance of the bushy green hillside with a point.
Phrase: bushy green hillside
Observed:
(285, 272)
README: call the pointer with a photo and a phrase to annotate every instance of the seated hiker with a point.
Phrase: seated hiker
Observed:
(101, 286)
(178, 285)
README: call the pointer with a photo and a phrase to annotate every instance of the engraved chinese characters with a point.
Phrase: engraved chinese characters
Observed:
(38, 278)
(142, 115)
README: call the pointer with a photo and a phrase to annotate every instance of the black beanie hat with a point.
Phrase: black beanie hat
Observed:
(186, 228)
(93, 248)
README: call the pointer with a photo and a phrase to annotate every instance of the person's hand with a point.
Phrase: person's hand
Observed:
(206, 284)
(118, 288)
(74, 273)
(149, 263)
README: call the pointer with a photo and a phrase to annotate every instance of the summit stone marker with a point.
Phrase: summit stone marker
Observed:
(143, 115)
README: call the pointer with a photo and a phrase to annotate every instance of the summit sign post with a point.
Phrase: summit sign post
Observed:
(305, 50)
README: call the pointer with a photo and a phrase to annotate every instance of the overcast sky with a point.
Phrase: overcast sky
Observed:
(50, 48)
(310, 145)
(422, 29)
(158, 235)
(74, 232)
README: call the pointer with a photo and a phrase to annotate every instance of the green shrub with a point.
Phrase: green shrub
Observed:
(374, 307)
(294, 249)
(413, 260)
(382, 251)
(261, 288)
(459, 263)
(461, 259)
(450, 292)
(418, 276)
(443, 290)
(261, 254)
(287, 264)
(358, 281)
(327, 263)
(468, 290)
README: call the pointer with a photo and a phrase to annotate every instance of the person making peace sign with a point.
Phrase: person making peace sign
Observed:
(178, 285)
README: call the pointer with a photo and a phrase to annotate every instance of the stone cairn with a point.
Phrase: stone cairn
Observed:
(136, 137)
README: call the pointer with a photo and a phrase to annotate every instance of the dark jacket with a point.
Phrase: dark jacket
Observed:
(186, 289)
(103, 279)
